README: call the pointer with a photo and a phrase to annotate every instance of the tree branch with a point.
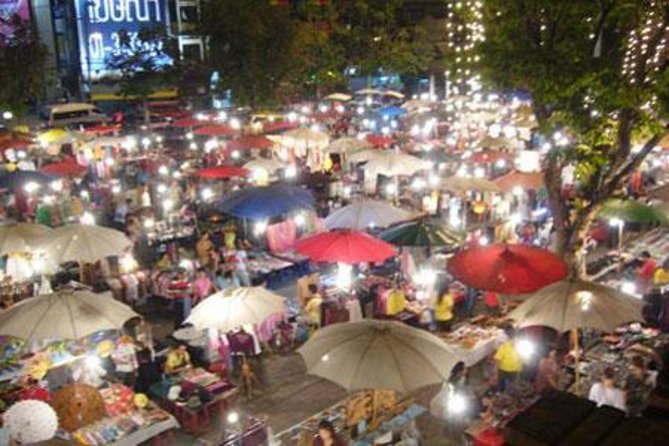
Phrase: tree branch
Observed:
(617, 178)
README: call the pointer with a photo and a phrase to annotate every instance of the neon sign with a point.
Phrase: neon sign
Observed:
(100, 22)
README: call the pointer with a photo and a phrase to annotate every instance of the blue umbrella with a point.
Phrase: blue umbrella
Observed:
(19, 178)
(262, 202)
(392, 111)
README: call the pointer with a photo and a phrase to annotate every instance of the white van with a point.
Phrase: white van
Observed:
(72, 114)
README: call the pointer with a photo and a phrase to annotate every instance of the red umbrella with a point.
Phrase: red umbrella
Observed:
(344, 246)
(103, 129)
(524, 180)
(215, 130)
(507, 269)
(278, 126)
(250, 142)
(222, 172)
(64, 168)
(188, 122)
(379, 141)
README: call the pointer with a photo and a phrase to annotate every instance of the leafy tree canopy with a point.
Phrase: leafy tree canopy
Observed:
(596, 70)
(21, 53)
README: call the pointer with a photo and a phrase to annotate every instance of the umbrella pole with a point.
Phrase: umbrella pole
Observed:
(374, 408)
(577, 361)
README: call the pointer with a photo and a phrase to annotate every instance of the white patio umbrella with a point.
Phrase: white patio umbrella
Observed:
(19, 237)
(235, 307)
(374, 354)
(367, 154)
(368, 92)
(338, 97)
(415, 104)
(393, 94)
(573, 304)
(347, 145)
(82, 243)
(268, 165)
(460, 185)
(307, 136)
(364, 214)
(65, 314)
(396, 163)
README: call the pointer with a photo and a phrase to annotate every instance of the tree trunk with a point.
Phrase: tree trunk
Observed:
(571, 243)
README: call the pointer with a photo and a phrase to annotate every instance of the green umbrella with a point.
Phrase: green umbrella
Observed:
(420, 233)
(631, 211)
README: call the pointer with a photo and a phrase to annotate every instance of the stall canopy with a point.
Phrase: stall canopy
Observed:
(420, 233)
(507, 269)
(64, 168)
(19, 178)
(82, 243)
(347, 145)
(249, 142)
(524, 180)
(66, 314)
(366, 214)
(461, 185)
(222, 172)
(392, 112)
(344, 246)
(379, 141)
(268, 165)
(188, 123)
(396, 163)
(570, 304)
(343, 97)
(263, 202)
(373, 354)
(19, 237)
(221, 130)
(232, 308)
(631, 211)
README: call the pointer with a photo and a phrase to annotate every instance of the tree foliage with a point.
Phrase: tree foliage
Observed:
(250, 46)
(262, 51)
(145, 63)
(596, 70)
(22, 67)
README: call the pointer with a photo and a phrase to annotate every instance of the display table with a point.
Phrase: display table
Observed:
(129, 429)
(213, 393)
(472, 344)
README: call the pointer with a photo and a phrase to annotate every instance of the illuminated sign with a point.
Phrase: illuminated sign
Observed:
(100, 22)
(10, 10)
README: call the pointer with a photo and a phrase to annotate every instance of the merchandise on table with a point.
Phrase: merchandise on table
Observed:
(473, 343)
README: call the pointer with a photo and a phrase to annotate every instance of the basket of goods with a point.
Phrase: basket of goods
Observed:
(78, 405)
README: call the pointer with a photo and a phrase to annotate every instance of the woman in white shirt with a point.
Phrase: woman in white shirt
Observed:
(605, 392)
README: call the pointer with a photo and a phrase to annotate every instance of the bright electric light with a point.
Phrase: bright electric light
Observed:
(207, 194)
(56, 186)
(235, 154)
(616, 222)
(457, 403)
(291, 171)
(235, 124)
(128, 263)
(116, 189)
(300, 220)
(87, 219)
(161, 188)
(189, 135)
(168, 204)
(260, 227)
(391, 189)
(146, 142)
(526, 349)
(163, 170)
(628, 288)
(233, 417)
(7, 115)
(479, 172)
(31, 187)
